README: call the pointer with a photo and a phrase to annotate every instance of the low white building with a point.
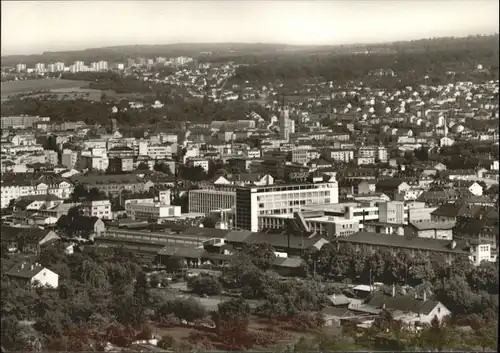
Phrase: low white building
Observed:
(199, 162)
(152, 211)
(97, 208)
(13, 190)
(33, 274)
(480, 253)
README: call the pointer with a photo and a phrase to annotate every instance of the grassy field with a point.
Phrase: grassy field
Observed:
(27, 86)
(61, 90)
(191, 335)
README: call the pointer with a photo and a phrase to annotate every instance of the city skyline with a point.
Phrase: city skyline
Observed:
(64, 25)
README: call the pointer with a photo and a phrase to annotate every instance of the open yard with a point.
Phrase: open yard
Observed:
(58, 89)
(282, 334)
(27, 86)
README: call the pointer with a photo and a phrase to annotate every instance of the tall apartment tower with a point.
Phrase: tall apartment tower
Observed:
(285, 124)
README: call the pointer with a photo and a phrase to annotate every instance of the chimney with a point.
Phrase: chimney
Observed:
(393, 290)
(425, 295)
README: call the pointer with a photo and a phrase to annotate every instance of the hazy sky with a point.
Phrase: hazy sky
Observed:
(36, 26)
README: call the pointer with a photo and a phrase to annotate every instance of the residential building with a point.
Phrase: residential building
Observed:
(51, 157)
(11, 190)
(199, 162)
(393, 212)
(113, 184)
(27, 240)
(434, 230)
(392, 187)
(69, 158)
(419, 247)
(342, 155)
(300, 156)
(121, 164)
(414, 311)
(97, 208)
(285, 124)
(93, 162)
(40, 67)
(418, 211)
(33, 274)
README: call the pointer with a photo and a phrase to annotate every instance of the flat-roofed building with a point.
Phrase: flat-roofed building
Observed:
(151, 211)
(204, 201)
(252, 202)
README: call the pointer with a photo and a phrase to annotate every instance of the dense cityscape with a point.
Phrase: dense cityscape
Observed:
(219, 200)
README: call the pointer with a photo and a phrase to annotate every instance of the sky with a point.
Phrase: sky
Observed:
(31, 27)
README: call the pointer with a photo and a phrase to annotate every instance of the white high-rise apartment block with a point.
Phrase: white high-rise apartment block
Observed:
(40, 67)
(20, 67)
(78, 66)
(99, 66)
(252, 202)
(59, 66)
(284, 124)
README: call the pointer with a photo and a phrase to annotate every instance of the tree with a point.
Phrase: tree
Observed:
(487, 336)
(166, 342)
(434, 336)
(141, 293)
(208, 223)
(185, 309)
(189, 309)
(143, 166)
(154, 280)
(422, 154)
(262, 255)
(79, 193)
(233, 310)
(205, 285)
(193, 174)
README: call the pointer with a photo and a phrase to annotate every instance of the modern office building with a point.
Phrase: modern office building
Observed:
(204, 201)
(252, 202)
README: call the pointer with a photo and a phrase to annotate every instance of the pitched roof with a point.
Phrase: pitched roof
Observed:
(389, 183)
(404, 303)
(446, 210)
(25, 270)
(397, 241)
(205, 232)
(237, 236)
(289, 262)
(432, 225)
(282, 240)
(29, 234)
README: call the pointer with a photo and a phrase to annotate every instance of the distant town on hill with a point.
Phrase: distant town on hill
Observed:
(219, 51)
